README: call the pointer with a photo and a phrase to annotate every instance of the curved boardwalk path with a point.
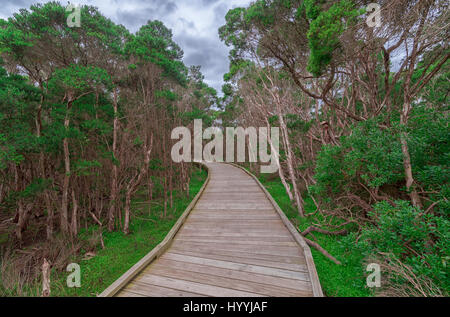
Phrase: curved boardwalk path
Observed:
(233, 243)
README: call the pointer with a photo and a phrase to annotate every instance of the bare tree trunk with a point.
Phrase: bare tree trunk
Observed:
(74, 225)
(65, 190)
(280, 169)
(165, 195)
(21, 220)
(415, 199)
(126, 222)
(50, 215)
(45, 279)
(112, 208)
(290, 164)
(20, 216)
(1, 192)
(170, 190)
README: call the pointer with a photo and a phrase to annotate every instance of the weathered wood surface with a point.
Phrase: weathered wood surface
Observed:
(233, 243)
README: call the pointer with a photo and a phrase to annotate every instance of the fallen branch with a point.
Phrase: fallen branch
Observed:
(96, 219)
(315, 229)
(322, 250)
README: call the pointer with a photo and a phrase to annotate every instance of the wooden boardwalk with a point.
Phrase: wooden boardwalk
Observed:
(233, 242)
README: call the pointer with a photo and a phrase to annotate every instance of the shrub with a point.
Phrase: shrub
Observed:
(411, 245)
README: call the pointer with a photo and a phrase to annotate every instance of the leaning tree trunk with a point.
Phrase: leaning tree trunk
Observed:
(280, 170)
(407, 166)
(290, 164)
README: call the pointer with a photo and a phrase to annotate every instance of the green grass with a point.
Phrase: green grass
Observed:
(346, 280)
(123, 251)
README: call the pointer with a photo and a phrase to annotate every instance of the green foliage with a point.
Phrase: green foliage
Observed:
(80, 79)
(18, 100)
(417, 239)
(85, 167)
(259, 11)
(153, 43)
(325, 28)
(373, 156)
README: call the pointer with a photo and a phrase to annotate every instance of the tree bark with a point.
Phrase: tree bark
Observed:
(74, 225)
(45, 279)
(412, 192)
(112, 208)
(290, 163)
(65, 189)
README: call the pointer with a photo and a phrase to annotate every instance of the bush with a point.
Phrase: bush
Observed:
(411, 246)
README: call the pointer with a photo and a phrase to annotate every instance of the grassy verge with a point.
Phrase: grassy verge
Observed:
(346, 280)
(123, 251)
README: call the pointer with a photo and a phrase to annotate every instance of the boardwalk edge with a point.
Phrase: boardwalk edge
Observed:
(317, 289)
(159, 249)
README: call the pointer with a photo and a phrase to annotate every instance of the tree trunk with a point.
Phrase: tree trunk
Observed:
(126, 223)
(74, 225)
(65, 189)
(290, 164)
(45, 279)
(415, 199)
(112, 208)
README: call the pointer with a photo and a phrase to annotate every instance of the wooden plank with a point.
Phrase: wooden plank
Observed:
(220, 211)
(259, 250)
(239, 241)
(238, 266)
(233, 217)
(193, 287)
(298, 285)
(226, 234)
(246, 260)
(231, 222)
(275, 250)
(240, 254)
(124, 293)
(145, 289)
(220, 225)
(225, 282)
(235, 238)
(214, 230)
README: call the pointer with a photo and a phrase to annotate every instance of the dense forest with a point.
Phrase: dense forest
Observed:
(86, 115)
(363, 118)
(85, 121)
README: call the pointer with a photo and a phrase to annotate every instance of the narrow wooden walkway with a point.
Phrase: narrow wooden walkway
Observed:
(233, 243)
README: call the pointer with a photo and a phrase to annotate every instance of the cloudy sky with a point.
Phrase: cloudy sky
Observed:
(194, 24)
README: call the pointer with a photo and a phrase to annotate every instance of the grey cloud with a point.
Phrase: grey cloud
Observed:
(139, 16)
(220, 11)
(209, 2)
(199, 40)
